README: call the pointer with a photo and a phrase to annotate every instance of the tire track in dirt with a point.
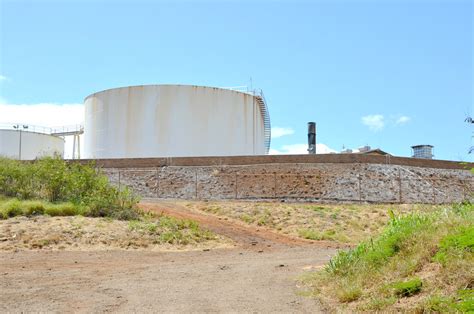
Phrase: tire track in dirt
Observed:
(244, 235)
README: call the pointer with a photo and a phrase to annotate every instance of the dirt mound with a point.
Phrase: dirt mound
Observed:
(84, 233)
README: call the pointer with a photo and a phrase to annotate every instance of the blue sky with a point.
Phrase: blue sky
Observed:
(390, 74)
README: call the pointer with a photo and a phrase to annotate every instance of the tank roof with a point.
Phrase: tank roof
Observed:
(417, 146)
(249, 92)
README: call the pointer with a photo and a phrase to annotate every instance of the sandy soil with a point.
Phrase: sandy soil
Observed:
(235, 280)
(259, 274)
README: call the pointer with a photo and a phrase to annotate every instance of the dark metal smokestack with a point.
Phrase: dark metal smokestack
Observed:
(311, 137)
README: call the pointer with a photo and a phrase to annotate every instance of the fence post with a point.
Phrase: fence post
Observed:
(360, 187)
(196, 184)
(157, 183)
(274, 185)
(235, 185)
(119, 179)
(399, 186)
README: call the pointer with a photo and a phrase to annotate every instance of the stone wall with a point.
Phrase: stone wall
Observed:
(393, 182)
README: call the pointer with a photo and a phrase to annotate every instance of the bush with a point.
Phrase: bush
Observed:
(455, 244)
(31, 208)
(57, 181)
(62, 209)
(407, 288)
(11, 208)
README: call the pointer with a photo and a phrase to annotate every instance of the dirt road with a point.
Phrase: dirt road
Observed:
(211, 281)
(244, 235)
(258, 275)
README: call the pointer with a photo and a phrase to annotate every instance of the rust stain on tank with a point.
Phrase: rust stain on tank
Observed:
(171, 120)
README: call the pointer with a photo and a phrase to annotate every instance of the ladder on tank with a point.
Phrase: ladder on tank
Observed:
(262, 104)
(266, 119)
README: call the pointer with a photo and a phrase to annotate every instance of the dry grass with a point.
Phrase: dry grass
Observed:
(85, 233)
(342, 223)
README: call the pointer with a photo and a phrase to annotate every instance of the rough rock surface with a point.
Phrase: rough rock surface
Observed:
(331, 182)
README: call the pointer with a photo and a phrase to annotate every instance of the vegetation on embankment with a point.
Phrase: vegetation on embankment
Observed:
(72, 233)
(344, 223)
(31, 193)
(58, 188)
(420, 262)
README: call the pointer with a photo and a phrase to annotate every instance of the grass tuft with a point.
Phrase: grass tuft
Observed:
(349, 293)
(407, 288)
(170, 230)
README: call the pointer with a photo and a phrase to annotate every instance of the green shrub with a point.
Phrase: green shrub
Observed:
(16, 179)
(465, 300)
(55, 180)
(31, 208)
(407, 288)
(11, 208)
(454, 244)
(62, 209)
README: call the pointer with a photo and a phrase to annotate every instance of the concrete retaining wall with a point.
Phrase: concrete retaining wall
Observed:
(332, 178)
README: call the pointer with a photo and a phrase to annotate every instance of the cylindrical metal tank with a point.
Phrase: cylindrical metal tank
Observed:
(26, 145)
(423, 151)
(175, 121)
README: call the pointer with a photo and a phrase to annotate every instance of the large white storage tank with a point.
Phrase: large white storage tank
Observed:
(175, 120)
(27, 145)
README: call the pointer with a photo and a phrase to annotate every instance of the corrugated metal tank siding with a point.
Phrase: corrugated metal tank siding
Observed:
(172, 120)
(33, 145)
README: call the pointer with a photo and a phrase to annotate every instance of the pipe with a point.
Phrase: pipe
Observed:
(311, 137)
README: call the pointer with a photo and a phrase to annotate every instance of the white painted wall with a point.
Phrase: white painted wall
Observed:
(172, 120)
(33, 145)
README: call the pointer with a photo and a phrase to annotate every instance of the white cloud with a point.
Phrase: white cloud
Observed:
(375, 122)
(3, 78)
(45, 115)
(402, 120)
(298, 149)
(279, 132)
